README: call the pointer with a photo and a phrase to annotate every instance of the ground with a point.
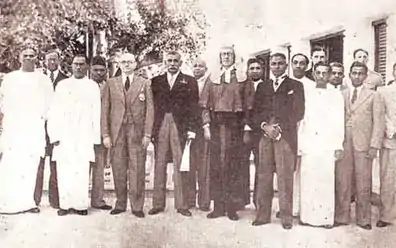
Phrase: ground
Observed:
(171, 230)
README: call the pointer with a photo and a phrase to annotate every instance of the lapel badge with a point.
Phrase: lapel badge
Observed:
(142, 97)
(290, 92)
(183, 81)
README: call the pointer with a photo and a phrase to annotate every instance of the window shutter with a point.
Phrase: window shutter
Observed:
(380, 47)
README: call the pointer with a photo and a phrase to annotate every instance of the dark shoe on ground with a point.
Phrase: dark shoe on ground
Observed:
(215, 214)
(205, 209)
(33, 211)
(259, 223)
(62, 212)
(54, 206)
(103, 207)
(287, 226)
(381, 224)
(277, 215)
(233, 216)
(155, 211)
(184, 212)
(81, 212)
(116, 211)
(139, 214)
(327, 226)
(337, 224)
(365, 227)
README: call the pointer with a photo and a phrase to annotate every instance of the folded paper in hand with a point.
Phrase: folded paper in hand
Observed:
(185, 161)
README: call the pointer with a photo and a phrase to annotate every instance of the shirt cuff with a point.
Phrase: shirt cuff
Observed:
(191, 135)
(206, 125)
(247, 128)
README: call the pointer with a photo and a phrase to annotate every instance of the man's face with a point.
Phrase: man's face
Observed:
(127, 63)
(361, 57)
(337, 75)
(318, 56)
(98, 73)
(227, 57)
(278, 66)
(255, 71)
(28, 59)
(79, 67)
(173, 63)
(299, 66)
(322, 75)
(199, 68)
(357, 75)
(52, 61)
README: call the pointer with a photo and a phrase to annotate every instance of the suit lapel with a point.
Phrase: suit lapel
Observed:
(362, 97)
(177, 82)
(135, 88)
(120, 88)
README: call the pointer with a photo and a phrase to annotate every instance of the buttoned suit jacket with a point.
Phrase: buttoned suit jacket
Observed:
(366, 117)
(388, 106)
(116, 101)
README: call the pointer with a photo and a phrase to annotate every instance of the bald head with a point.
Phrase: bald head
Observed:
(199, 68)
(127, 63)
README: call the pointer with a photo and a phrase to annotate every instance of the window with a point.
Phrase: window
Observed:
(334, 45)
(380, 47)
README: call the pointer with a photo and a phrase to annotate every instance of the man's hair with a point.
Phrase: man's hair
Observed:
(359, 50)
(318, 49)
(281, 55)
(175, 53)
(300, 54)
(81, 55)
(337, 64)
(52, 51)
(359, 64)
(255, 60)
(320, 63)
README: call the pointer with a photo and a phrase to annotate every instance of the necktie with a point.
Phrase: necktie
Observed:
(52, 76)
(354, 96)
(171, 81)
(127, 84)
(276, 84)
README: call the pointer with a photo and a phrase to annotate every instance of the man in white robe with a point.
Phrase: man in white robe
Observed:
(74, 128)
(26, 95)
(320, 144)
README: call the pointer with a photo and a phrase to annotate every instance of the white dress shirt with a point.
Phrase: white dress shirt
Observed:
(256, 83)
(201, 83)
(124, 78)
(172, 78)
(56, 72)
(280, 80)
(359, 89)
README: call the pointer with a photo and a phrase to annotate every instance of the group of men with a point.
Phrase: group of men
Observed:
(316, 131)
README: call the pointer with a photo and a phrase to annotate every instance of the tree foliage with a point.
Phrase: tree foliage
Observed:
(62, 24)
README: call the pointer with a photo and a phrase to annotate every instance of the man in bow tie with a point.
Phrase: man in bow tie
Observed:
(126, 122)
(277, 108)
(175, 122)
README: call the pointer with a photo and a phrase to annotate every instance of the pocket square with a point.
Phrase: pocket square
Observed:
(183, 81)
(290, 92)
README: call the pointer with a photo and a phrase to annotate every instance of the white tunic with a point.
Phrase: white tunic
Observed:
(321, 133)
(25, 100)
(74, 121)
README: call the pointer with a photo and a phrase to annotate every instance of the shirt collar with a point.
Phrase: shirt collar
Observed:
(280, 78)
(174, 76)
(124, 78)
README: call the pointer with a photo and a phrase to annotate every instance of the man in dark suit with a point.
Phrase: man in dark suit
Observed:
(175, 121)
(318, 54)
(56, 75)
(126, 122)
(277, 108)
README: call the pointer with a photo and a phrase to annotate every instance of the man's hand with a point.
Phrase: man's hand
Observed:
(56, 143)
(372, 153)
(145, 142)
(107, 142)
(272, 130)
(190, 135)
(338, 154)
(206, 132)
(247, 137)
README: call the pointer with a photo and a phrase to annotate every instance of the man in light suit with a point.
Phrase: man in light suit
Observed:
(363, 138)
(388, 158)
(127, 121)
(374, 79)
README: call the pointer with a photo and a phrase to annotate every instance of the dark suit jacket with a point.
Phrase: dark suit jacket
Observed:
(285, 107)
(309, 74)
(116, 102)
(59, 78)
(181, 101)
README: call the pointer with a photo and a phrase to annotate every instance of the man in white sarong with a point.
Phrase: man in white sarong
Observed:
(320, 145)
(74, 128)
(26, 95)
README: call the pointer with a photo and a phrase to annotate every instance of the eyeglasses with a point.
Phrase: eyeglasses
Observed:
(127, 62)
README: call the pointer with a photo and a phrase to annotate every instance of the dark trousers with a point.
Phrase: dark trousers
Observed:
(278, 153)
(128, 165)
(97, 169)
(199, 169)
(224, 164)
(53, 193)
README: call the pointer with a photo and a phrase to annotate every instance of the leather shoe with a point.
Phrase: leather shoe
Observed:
(155, 211)
(184, 212)
(138, 214)
(116, 211)
(337, 224)
(214, 215)
(381, 224)
(204, 209)
(104, 207)
(233, 216)
(287, 226)
(81, 212)
(33, 211)
(365, 227)
(277, 215)
(259, 223)
(62, 212)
